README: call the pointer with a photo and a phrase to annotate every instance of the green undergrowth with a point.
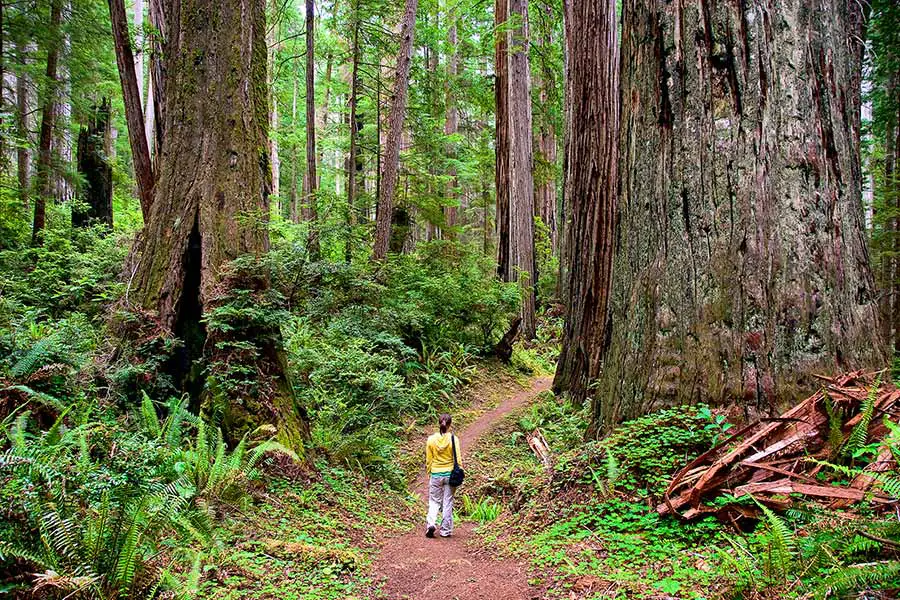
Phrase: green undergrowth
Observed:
(589, 528)
(309, 540)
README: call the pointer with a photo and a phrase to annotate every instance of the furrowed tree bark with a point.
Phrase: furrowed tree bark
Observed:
(391, 159)
(97, 192)
(134, 114)
(521, 165)
(311, 177)
(45, 158)
(501, 112)
(741, 268)
(211, 208)
(592, 160)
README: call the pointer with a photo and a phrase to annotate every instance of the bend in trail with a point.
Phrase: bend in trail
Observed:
(414, 567)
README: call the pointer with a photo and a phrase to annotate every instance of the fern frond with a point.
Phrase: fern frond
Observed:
(860, 434)
(148, 416)
(858, 577)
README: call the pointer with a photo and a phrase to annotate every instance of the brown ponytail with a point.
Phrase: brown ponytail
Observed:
(444, 421)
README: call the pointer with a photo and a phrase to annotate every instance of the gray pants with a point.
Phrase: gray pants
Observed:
(440, 496)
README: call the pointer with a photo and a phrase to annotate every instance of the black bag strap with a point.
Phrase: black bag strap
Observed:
(453, 446)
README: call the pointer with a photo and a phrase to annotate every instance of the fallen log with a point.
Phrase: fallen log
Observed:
(772, 460)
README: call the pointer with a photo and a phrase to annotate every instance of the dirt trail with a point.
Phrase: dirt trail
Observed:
(414, 567)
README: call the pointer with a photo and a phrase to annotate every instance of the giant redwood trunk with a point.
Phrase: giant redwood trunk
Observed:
(391, 165)
(210, 207)
(741, 268)
(591, 187)
(521, 165)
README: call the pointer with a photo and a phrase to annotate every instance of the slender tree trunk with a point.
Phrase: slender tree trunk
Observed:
(546, 199)
(893, 187)
(451, 127)
(742, 268)
(134, 116)
(391, 163)
(156, 108)
(45, 156)
(521, 165)
(23, 147)
(294, 212)
(501, 111)
(311, 176)
(213, 175)
(95, 204)
(150, 119)
(592, 191)
(354, 132)
(139, 47)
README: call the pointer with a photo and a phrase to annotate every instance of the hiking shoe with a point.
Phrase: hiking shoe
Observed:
(429, 533)
(445, 534)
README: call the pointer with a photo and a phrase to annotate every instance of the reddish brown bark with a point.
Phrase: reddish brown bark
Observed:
(592, 160)
(742, 267)
(134, 112)
(521, 165)
(391, 159)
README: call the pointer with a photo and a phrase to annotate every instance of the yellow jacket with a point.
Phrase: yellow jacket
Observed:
(439, 453)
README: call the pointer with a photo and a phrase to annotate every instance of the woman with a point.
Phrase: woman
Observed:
(438, 464)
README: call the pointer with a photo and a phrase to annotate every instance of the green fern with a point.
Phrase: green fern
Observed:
(860, 577)
(835, 433)
(782, 547)
(860, 434)
(149, 418)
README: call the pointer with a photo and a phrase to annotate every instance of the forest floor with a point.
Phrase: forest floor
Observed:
(414, 567)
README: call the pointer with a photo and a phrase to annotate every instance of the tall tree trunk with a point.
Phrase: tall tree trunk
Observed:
(311, 176)
(352, 159)
(45, 156)
(294, 212)
(213, 176)
(893, 193)
(162, 44)
(23, 146)
(742, 267)
(546, 144)
(451, 127)
(95, 204)
(501, 143)
(521, 164)
(592, 191)
(391, 161)
(134, 115)
(138, 16)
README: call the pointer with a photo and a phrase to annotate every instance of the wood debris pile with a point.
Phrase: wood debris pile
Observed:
(771, 459)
